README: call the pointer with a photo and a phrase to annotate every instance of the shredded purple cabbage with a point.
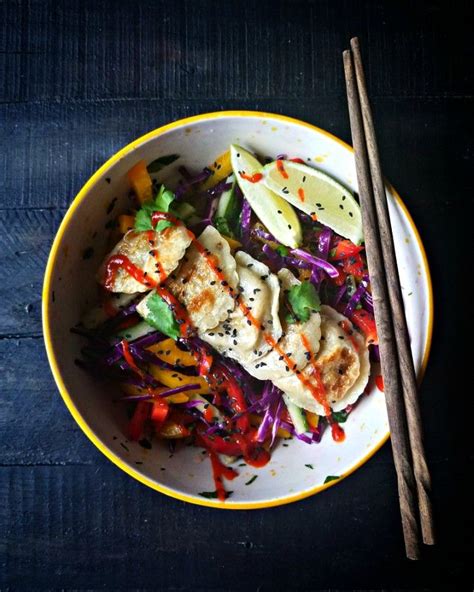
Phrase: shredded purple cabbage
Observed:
(313, 260)
(324, 243)
(141, 342)
(256, 231)
(219, 189)
(367, 302)
(245, 221)
(354, 301)
(190, 180)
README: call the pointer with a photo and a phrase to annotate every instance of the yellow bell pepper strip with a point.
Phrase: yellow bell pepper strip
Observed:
(169, 352)
(172, 379)
(233, 244)
(173, 430)
(220, 169)
(133, 390)
(312, 419)
(141, 182)
(126, 223)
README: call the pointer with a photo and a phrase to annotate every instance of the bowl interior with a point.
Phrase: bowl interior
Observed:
(70, 289)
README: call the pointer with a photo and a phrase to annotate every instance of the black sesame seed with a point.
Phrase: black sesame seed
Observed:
(303, 179)
(341, 206)
(249, 322)
(109, 180)
(351, 214)
(213, 283)
(289, 226)
(343, 197)
(279, 212)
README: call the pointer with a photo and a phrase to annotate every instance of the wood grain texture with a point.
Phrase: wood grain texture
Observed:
(383, 317)
(400, 327)
(78, 80)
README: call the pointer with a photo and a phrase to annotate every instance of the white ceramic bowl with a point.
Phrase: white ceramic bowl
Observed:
(69, 289)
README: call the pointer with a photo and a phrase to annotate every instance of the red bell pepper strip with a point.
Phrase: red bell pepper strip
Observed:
(345, 248)
(139, 417)
(366, 323)
(159, 412)
(354, 265)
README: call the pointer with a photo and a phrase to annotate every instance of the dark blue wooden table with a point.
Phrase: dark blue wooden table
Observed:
(79, 79)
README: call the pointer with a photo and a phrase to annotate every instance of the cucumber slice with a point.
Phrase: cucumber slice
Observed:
(227, 206)
(272, 210)
(298, 416)
(130, 333)
(185, 210)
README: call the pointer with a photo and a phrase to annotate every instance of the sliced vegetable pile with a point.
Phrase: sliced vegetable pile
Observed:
(235, 310)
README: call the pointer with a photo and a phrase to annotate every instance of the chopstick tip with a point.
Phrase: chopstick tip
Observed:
(355, 43)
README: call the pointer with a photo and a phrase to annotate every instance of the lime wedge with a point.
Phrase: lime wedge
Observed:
(273, 211)
(317, 194)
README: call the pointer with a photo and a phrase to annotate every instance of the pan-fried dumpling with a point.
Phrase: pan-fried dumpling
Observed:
(259, 291)
(272, 366)
(196, 285)
(145, 250)
(343, 364)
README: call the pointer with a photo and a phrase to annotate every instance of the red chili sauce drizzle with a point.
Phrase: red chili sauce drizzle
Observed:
(338, 434)
(219, 470)
(379, 382)
(119, 261)
(255, 178)
(281, 169)
(244, 443)
(301, 193)
(345, 326)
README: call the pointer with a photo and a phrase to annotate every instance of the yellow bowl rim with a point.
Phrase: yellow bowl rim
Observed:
(47, 329)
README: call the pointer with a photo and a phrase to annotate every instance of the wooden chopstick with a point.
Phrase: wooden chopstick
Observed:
(407, 369)
(383, 318)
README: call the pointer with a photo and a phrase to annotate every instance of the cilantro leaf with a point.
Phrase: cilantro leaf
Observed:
(164, 199)
(161, 203)
(161, 162)
(282, 250)
(331, 478)
(213, 494)
(223, 227)
(303, 299)
(339, 416)
(159, 315)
